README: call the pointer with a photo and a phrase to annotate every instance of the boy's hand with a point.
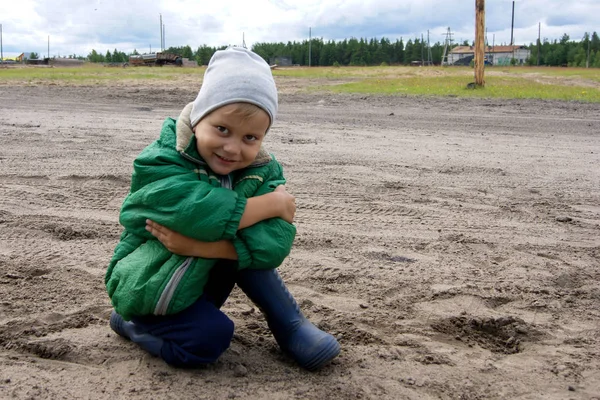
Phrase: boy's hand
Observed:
(182, 245)
(287, 204)
(174, 242)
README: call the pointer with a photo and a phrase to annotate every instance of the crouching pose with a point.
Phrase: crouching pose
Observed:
(208, 209)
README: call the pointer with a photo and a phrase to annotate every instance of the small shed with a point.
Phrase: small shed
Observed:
(281, 61)
(494, 55)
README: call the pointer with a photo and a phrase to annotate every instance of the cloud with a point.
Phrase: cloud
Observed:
(78, 26)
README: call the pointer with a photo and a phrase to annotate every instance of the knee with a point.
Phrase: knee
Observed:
(216, 338)
(202, 345)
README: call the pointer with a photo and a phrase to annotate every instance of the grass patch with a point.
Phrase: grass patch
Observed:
(496, 87)
(592, 74)
(342, 72)
(578, 84)
(93, 74)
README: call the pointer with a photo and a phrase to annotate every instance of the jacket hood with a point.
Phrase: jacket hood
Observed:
(185, 134)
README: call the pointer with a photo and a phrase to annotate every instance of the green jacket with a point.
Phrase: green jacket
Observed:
(172, 186)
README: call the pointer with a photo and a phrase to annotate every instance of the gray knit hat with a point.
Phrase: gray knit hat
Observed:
(236, 75)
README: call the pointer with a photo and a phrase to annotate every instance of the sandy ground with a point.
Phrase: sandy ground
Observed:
(451, 245)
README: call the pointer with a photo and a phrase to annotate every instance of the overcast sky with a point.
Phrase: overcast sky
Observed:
(78, 26)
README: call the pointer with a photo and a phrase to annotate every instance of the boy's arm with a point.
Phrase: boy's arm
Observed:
(169, 190)
(264, 245)
(276, 204)
(267, 243)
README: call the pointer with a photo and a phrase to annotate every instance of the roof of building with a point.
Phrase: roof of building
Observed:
(488, 49)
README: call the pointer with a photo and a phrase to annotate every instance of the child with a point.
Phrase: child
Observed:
(207, 209)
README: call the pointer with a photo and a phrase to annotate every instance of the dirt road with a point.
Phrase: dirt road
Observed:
(452, 246)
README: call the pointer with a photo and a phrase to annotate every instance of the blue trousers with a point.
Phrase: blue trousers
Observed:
(198, 335)
(201, 333)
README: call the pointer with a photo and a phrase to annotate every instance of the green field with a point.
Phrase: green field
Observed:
(501, 82)
(92, 74)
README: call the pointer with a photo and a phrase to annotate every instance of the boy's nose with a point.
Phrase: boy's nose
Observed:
(231, 148)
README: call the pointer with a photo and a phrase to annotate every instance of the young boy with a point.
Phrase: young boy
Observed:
(207, 209)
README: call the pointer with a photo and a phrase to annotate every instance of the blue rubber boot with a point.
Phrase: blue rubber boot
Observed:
(309, 346)
(128, 330)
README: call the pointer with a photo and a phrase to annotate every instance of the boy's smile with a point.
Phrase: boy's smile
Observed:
(230, 137)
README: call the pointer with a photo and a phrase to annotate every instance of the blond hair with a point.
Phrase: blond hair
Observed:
(245, 110)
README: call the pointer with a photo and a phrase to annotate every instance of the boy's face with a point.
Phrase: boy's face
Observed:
(227, 140)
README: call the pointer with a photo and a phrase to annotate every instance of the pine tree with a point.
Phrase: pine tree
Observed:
(187, 52)
(597, 59)
(399, 51)
(408, 51)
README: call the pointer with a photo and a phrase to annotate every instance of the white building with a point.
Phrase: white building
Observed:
(496, 55)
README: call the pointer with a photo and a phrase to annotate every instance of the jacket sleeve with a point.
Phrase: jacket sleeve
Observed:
(168, 189)
(266, 244)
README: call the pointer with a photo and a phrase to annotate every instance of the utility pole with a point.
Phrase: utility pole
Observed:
(164, 40)
(309, 45)
(587, 61)
(487, 46)
(539, 42)
(447, 47)
(422, 51)
(479, 42)
(48, 47)
(512, 26)
(493, 60)
(1, 50)
(429, 56)
(161, 32)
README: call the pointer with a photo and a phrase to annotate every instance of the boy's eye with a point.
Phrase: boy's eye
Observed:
(222, 129)
(251, 138)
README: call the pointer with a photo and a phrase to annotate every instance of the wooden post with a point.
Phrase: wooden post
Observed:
(479, 42)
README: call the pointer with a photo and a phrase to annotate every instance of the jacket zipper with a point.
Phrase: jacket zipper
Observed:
(167, 295)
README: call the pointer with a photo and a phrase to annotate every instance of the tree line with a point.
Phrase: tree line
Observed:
(565, 52)
(115, 57)
(364, 52)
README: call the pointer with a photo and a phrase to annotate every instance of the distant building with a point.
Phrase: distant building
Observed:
(65, 62)
(189, 63)
(281, 61)
(495, 55)
(23, 56)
